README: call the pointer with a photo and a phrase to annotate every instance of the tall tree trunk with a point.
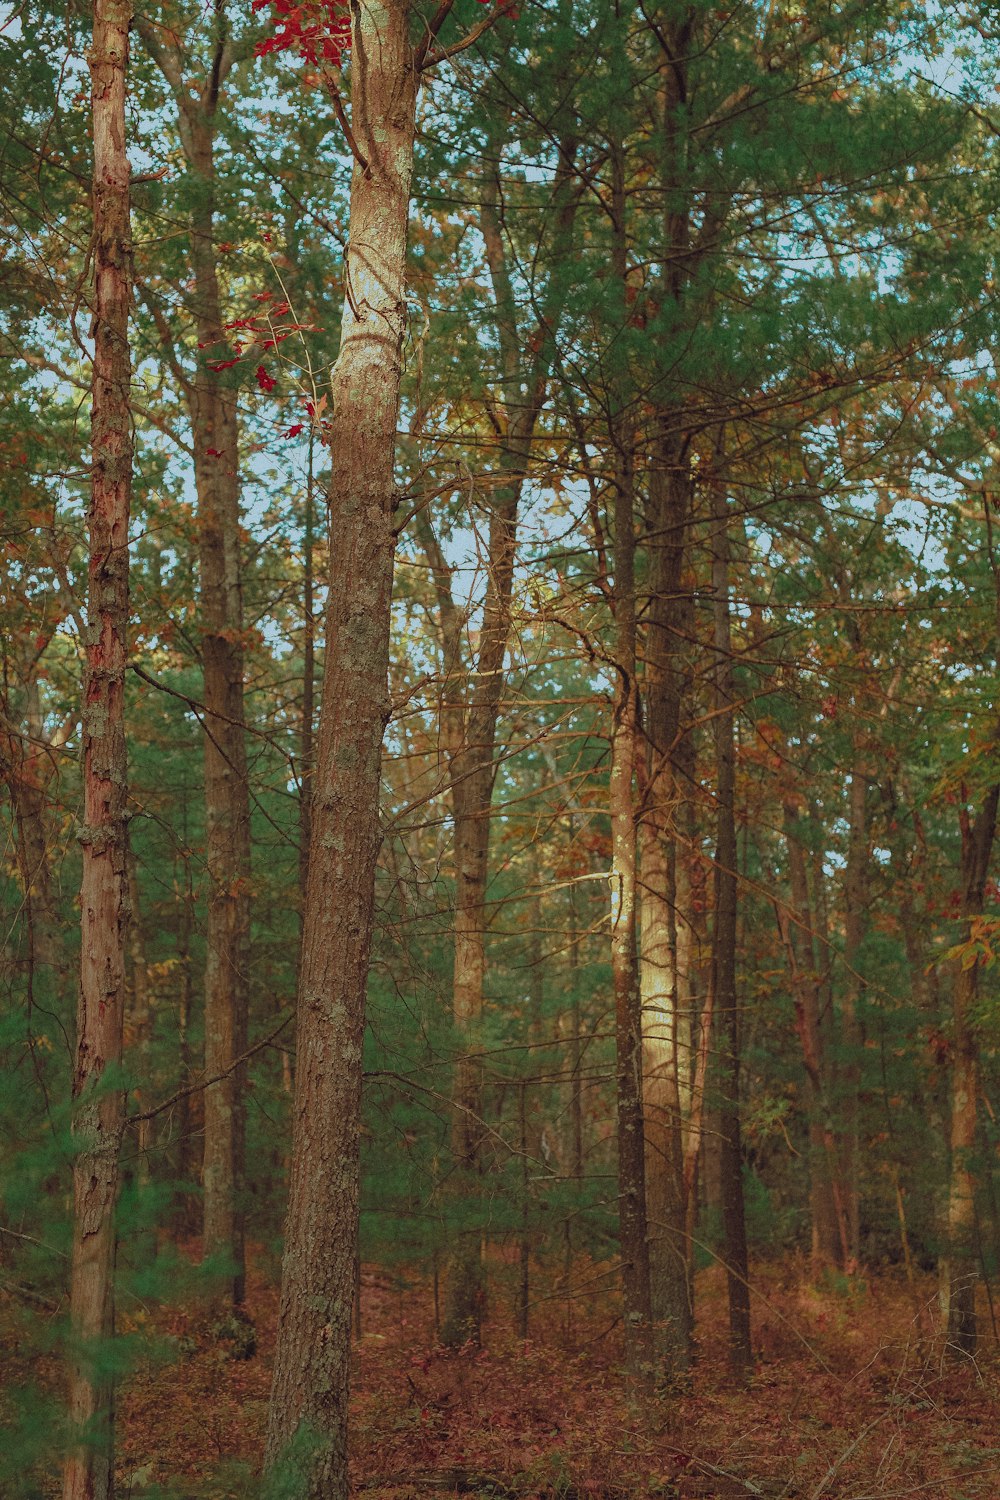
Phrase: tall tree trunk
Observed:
(307, 728)
(99, 1102)
(307, 1419)
(186, 1155)
(471, 736)
(830, 1223)
(212, 403)
(633, 1232)
(959, 1271)
(667, 936)
(472, 797)
(26, 768)
(724, 951)
(855, 923)
(227, 801)
(139, 1018)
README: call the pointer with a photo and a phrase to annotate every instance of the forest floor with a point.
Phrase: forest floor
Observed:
(850, 1398)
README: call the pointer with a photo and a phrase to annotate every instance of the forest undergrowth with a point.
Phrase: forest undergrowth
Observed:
(851, 1397)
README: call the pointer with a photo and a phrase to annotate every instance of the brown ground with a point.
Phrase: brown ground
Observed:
(851, 1398)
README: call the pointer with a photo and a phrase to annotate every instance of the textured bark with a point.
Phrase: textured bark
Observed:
(99, 1102)
(724, 952)
(307, 1420)
(960, 1274)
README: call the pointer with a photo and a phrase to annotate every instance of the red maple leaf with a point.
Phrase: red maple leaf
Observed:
(318, 30)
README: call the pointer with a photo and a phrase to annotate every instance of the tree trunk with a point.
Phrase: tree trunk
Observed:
(724, 952)
(227, 800)
(307, 1420)
(138, 1021)
(307, 727)
(99, 1112)
(26, 769)
(472, 796)
(667, 946)
(471, 735)
(960, 1270)
(633, 1232)
(855, 923)
(830, 1223)
(633, 1229)
(212, 403)
(186, 1156)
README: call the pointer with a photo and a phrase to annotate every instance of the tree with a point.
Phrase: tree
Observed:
(211, 397)
(307, 1419)
(104, 902)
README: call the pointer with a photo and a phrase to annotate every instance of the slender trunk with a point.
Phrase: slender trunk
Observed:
(187, 1158)
(624, 951)
(524, 1284)
(633, 1231)
(830, 1223)
(26, 769)
(855, 924)
(212, 403)
(471, 735)
(99, 1112)
(227, 802)
(576, 1021)
(306, 732)
(139, 1021)
(632, 1220)
(667, 946)
(724, 952)
(465, 1292)
(307, 1419)
(960, 1275)
(472, 776)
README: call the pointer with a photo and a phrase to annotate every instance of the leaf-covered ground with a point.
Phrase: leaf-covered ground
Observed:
(851, 1398)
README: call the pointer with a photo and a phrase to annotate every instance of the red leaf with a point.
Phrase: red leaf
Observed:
(265, 381)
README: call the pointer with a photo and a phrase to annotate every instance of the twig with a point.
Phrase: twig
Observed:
(205, 1083)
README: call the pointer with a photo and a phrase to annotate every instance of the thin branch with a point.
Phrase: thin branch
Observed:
(206, 1083)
